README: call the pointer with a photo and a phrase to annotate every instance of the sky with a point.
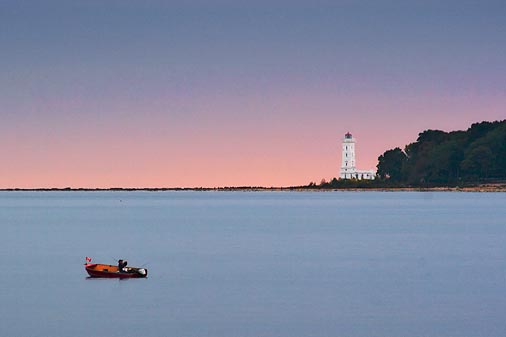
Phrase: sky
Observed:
(147, 93)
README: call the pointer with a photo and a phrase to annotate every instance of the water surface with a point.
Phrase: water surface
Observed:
(233, 264)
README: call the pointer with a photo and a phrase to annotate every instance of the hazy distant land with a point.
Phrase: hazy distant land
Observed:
(489, 187)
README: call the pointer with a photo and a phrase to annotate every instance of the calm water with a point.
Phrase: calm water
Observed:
(237, 264)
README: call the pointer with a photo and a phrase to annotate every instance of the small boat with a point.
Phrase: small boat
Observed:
(110, 271)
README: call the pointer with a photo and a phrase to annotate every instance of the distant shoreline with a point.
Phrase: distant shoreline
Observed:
(477, 188)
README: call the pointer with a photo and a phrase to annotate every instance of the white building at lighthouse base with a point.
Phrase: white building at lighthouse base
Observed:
(358, 174)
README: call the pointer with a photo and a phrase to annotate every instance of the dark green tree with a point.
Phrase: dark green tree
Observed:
(477, 162)
(391, 164)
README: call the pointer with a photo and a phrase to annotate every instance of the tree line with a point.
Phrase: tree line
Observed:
(439, 158)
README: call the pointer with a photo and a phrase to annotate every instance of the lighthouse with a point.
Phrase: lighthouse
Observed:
(348, 157)
(348, 163)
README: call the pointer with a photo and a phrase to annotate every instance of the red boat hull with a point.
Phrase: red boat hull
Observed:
(110, 271)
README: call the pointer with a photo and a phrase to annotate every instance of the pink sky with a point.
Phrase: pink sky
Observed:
(282, 141)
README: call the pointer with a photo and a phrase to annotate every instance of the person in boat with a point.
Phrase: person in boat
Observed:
(122, 266)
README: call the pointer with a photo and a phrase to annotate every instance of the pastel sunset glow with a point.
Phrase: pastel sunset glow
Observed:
(235, 93)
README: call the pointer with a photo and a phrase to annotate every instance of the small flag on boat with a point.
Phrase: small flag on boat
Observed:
(88, 259)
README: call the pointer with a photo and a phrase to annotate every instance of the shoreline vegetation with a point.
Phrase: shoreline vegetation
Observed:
(487, 187)
(456, 158)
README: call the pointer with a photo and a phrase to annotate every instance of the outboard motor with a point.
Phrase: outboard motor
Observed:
(142, 271)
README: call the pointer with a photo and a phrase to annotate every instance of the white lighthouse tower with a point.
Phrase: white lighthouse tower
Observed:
(348, 158)
(348, 166)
